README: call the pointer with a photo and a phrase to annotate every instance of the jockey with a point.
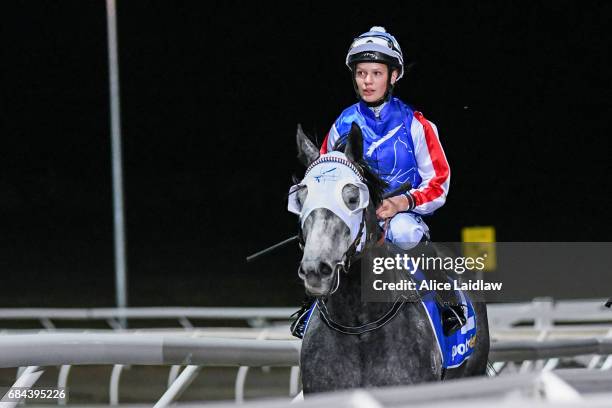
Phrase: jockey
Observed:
(399, 144)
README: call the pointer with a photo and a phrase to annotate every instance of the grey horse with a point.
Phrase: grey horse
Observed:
(400, 351)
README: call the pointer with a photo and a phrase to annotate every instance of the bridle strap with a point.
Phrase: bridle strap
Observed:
(398, 303)
(364, 328)
(345, 264)
(348, 257)
(383, 235)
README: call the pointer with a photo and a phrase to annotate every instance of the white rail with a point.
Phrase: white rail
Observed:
(533, 346)
(48, 349)
(541, 312)
(539, 390)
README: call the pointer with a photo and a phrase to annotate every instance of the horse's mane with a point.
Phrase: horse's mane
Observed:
(375, 184)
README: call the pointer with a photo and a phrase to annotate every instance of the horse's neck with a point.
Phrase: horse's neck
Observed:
(347, 297)
(347, 304)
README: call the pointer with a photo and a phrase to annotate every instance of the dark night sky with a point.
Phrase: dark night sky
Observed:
(211, 95)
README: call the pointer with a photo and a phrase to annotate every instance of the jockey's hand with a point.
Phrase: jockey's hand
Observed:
(392, 206)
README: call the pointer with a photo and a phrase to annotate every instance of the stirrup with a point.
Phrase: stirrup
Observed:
(298, 326)
(453, 318)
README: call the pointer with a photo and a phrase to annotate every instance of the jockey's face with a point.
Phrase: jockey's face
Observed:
(371, 79)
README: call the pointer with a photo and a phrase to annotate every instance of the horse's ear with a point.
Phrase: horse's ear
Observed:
(307, 151)
(354, 144)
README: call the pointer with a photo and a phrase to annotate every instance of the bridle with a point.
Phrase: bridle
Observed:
(351, 253)
(344, 265)
(347, 258)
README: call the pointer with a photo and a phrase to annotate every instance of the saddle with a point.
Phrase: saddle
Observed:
(452, 310)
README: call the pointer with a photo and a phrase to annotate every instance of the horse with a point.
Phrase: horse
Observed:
(351, 342)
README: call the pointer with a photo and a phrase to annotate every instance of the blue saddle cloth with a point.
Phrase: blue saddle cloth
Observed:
(459, 346)
(454, 349)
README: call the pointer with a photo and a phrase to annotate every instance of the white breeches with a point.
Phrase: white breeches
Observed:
(406, 230)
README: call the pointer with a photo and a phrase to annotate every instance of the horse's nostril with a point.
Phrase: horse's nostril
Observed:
(314, 270)
(325, 269)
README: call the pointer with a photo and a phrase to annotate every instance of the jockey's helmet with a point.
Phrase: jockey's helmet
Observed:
(376, 45)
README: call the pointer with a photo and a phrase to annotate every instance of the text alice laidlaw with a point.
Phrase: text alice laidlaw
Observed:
(411, 264)
(432, 284)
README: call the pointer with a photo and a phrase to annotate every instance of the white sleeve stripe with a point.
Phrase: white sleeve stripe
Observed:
(425, 167)
(332, 138)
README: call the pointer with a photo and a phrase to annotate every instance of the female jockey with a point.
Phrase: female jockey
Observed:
(399, 144)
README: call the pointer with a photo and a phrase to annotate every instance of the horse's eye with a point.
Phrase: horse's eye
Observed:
(350, 196)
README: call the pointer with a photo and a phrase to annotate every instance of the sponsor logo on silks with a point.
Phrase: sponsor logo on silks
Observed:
(462, 348)
(326, 175)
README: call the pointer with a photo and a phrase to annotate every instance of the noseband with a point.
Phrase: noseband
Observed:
(345, 262)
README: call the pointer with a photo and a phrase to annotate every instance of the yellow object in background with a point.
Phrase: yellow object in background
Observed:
(480, 242)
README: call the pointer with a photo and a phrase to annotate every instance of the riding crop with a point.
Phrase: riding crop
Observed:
(401, 189)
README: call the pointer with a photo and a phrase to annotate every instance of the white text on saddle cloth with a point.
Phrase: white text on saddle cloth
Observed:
(325, 179)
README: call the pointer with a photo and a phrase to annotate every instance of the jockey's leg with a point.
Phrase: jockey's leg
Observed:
(407, 230)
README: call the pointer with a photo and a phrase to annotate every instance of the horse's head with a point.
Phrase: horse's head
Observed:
(331, 202)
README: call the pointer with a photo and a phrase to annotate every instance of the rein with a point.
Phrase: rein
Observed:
(364, 328)
(344, 265)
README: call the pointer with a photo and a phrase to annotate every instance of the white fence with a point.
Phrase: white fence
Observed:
(121, 349)
(538, 347)
(542, 313)
(546, 389)
(253, 315)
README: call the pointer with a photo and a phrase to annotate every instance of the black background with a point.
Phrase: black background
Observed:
(211, 95)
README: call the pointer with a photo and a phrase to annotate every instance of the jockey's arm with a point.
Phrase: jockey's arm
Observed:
(330, 139)
(432, 167)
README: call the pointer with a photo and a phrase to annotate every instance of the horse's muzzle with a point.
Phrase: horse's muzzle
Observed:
(314, 272)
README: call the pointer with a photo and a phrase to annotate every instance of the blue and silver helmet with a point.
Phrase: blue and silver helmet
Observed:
(376, 45)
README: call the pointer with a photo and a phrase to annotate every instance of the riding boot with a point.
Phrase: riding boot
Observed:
(298, 326)
(448, 301)
(452, 311)
(453, 318)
